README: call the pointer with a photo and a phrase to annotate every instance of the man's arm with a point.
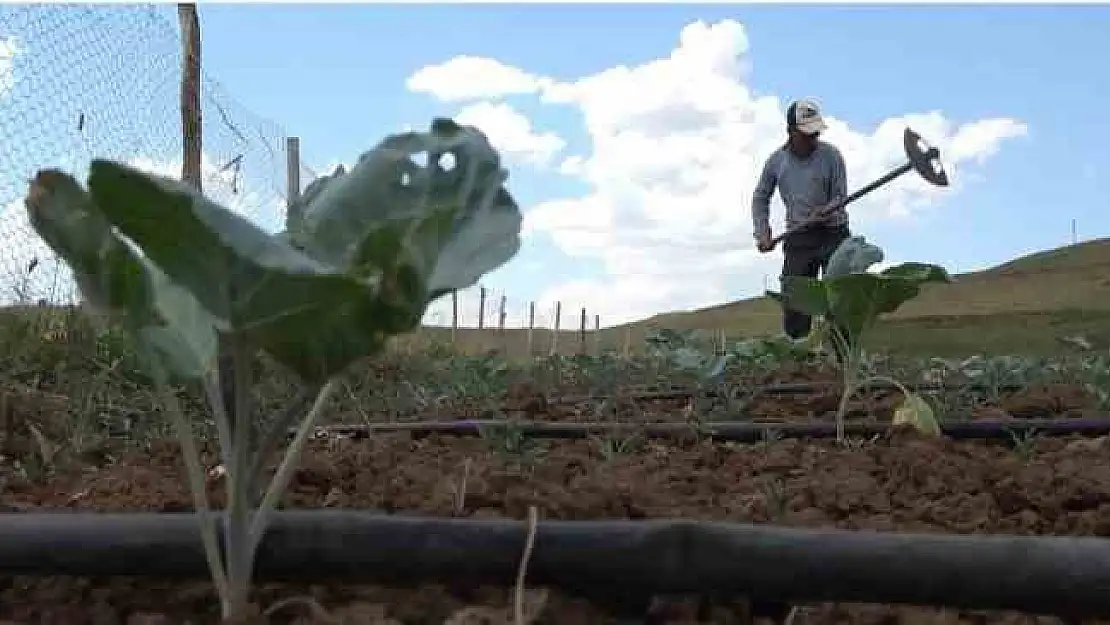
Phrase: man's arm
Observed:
(836, 186)
(761, 198)
(838, 178)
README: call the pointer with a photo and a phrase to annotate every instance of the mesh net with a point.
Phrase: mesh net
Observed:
(78, 83)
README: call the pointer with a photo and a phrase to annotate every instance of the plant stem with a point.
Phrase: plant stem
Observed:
(848, 366)
(194, 470)
(196, 476)
(842, 407)
(284, 471)
(237, 540)
(522, 569)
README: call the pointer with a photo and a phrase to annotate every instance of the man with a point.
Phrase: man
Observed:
(812, 181)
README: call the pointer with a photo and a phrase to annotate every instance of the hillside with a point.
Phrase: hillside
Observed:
(1022, 306)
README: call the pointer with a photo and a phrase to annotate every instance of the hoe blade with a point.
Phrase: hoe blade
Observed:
(925, 159)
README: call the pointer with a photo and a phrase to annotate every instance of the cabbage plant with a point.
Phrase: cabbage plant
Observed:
(851, 299)
(371, 249)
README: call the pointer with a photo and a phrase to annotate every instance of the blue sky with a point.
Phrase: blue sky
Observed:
(336, 76)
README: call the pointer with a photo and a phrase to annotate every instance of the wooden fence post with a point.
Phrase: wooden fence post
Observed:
(555, 331)
(192, 139)
(292, 183)
(597, 335)
(481, 307)
(501, 326)
(531, 327)
(582, 333)
(454, 316)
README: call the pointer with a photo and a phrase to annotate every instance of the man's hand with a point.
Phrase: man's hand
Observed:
(827, 211)
(763, 242)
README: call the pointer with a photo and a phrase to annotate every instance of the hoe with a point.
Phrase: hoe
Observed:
(922, 158)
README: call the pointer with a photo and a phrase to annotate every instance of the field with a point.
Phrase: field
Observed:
(82, 434)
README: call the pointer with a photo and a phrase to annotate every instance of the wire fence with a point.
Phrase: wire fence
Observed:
(83, 82)
(482, 319)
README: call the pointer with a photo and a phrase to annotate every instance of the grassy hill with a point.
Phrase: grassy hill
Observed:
(1020, 307)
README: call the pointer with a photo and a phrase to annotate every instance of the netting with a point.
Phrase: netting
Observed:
(83, 82)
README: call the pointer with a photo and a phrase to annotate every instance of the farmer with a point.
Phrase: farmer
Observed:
(811, 178)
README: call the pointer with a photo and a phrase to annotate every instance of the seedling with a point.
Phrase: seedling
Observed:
(614, 444)
(777, 496)
(1024, 441)
(458, 490)
(374, 248)
(851, 299)
(511, 442)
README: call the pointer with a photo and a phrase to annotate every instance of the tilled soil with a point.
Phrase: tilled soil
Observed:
(820, 403)
(903, 482)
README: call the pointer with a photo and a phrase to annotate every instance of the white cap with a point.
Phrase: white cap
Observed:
(805, 115)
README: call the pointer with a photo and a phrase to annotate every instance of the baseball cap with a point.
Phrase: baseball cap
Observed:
(805, 115)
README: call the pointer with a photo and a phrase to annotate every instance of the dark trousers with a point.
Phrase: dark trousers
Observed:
(807, 253)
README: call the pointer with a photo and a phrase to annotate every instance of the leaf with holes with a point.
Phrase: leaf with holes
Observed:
(313, 318)
(440, 225)
(382, 241)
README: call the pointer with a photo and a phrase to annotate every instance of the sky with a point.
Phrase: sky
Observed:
(633, 134)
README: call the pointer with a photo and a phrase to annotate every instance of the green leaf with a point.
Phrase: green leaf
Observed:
(856, 300)
(106, 270)
(313, 318)
(171, 326)
(448, 226)
(805, 295)
(227, 262)
(916, 412)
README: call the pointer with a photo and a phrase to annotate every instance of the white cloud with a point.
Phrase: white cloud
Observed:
(676, 145)
(511, 132)
(52, 280)
(9, 48)
(473, 78)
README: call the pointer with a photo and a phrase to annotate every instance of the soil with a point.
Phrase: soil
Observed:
(902, 482)
(1036, 401)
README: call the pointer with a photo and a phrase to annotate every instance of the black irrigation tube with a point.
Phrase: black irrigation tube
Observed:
(745, 431)
(1038, 575)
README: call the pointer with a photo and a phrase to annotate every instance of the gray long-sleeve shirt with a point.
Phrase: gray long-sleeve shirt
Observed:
(804, 184)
